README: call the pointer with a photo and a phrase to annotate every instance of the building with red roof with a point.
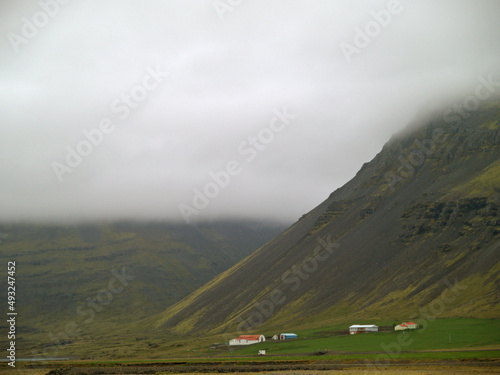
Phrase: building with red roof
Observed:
(247, 340)
(406, 325)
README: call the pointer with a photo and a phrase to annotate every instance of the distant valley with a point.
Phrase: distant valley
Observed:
(80, 280)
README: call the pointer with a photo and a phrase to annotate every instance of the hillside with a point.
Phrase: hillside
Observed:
(99, 277)
(421, 218)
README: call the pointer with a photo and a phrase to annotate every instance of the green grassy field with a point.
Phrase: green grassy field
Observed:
(439, 335)
(470, 338)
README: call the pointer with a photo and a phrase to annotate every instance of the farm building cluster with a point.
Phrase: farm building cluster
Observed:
(353, 330)
(256, 339)
(357, 328)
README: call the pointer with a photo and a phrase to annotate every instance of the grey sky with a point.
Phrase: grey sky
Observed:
(228, 72)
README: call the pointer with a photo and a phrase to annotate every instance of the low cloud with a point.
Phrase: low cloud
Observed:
(64, 73)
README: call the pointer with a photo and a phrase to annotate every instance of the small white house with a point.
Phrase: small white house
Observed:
(247, 340)
(357, 328)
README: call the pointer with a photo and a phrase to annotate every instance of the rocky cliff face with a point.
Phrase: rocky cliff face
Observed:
(421, 217)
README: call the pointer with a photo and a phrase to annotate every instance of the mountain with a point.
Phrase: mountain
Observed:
(416, 233)
(96, 278)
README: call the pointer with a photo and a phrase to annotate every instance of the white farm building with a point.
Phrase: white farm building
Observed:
(247, 340)
(355, 329)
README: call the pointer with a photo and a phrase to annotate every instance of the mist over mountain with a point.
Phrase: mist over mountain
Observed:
(418, 225)
(155, 153)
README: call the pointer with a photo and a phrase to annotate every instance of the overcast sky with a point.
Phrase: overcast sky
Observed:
(170, 91)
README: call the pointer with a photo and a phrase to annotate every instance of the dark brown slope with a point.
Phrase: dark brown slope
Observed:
(404, 233)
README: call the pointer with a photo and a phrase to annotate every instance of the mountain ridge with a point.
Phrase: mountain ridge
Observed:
(422, 214)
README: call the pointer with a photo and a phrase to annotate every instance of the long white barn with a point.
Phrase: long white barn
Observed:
(357, 328)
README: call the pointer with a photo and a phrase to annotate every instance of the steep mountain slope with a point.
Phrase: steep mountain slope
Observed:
(102, 276)
(421, 217)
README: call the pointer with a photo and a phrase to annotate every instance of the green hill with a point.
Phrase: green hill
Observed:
(76, 283)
